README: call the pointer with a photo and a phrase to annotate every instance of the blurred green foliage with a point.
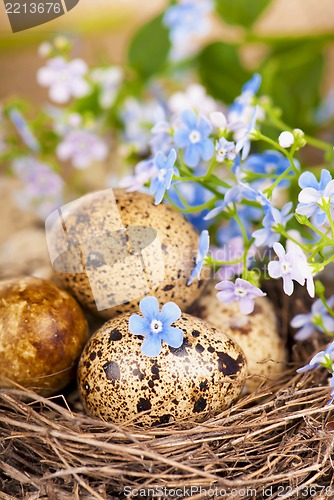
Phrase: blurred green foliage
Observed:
(292, 69)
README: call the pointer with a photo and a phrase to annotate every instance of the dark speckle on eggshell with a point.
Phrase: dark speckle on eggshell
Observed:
(228, 365)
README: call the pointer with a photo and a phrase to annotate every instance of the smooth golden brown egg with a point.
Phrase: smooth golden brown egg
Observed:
(42, 333)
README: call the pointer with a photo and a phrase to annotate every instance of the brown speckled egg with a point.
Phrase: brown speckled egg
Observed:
(117, 382)
(110, 256)
(256, 333)
(42, 334)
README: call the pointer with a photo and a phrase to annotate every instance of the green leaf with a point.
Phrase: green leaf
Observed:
(149, 48)
(292, 76)
(221, 71)
(244, 12)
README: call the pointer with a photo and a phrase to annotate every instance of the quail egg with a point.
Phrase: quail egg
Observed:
(256, 333)
(111, 248)
(118, 383)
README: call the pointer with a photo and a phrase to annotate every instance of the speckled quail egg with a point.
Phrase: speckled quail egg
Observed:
(111, 248)
(42, 334)
(117, 382)
(256, 333)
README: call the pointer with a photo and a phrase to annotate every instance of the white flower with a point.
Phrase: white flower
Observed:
(286, 139)
(218, 119)
(194, 97)
(109, 80)
(65, 79)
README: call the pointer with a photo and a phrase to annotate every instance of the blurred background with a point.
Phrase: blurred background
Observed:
(104, 28)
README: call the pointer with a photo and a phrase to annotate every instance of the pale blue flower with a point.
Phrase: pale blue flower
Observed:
(203, 248)
(165, 172)
(291, 266)
(42, 190)
(266, 236)
(161, 138)
(187, 18)
(243, 144)
(225, 150)
(319, 359)
(65, 79)
(251, 87)
(82, 148)
(241, 291)
(314, 194)
(317, 319)
(155, 326)
(145, 171)
(193, 137)
(23, 129)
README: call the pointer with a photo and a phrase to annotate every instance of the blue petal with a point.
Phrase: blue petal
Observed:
(195, 272)
(307, 179)
(170, 159)
(307, 209)
(181, 137)
(253, 84)
(191, 155)
(319, 217)
(159, 160)
(160, 193)
(205, 126)
(169, 313)
(172, 336)
(138, 325)
(189, 118)
(155, 183)
(207, 149)
(149, 306)
(324, 179)
(151, 345)
(204, 243)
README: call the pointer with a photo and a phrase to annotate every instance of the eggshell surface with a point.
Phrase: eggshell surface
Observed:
(118, 383)
(117, 250)
(256, 333)
(42, 334)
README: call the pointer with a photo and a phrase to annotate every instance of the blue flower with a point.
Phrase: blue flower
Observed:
(317, 319)
(252, 86)
(164, 176)
(314, 195)
(225, 150)
(320, 358)
(156, 326)
(241, 291)
(186, 18)
(269, 162)
(266, 235)
(243, 144)
(203, 248)
(193, 138)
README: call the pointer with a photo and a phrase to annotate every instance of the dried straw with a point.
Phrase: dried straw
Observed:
(276, 443)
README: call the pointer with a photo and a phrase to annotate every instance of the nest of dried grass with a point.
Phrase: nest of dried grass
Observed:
(276, 443)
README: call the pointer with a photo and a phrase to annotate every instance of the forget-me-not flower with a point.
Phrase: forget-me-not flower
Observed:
(155, 326)
(268, 163)
(317, 319)
(241, 291)
(203, 248)
(273, 217)
(322, 357)
(225, 150)
(193, 137)
(314, 195)
(144, 171)
(161, 138)
(42, 190)
(82, 147)
(291, 266)
(165, 171)
(65, 79)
